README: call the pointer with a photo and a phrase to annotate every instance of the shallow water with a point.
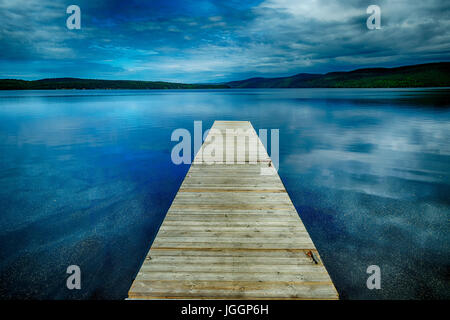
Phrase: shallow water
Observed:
(86, 178)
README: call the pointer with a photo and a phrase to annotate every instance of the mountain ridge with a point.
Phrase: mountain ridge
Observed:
(435, 74)
(422, 75)
(79, 83)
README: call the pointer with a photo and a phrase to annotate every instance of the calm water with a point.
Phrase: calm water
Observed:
(86, 179)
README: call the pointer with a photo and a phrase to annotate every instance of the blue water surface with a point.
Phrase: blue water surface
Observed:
(86, 178)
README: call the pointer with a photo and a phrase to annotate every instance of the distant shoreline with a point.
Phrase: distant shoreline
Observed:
(224, 88)
(92, 84)
(415, 76)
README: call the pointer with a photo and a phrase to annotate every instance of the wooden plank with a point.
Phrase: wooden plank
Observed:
(233, 276)
(222, 245)
(234, 229)
(232, 232)
(218, 259)
(229, 252)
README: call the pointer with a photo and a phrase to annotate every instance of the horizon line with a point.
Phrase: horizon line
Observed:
(221, 83)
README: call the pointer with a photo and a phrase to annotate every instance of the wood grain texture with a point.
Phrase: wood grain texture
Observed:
(232, 232)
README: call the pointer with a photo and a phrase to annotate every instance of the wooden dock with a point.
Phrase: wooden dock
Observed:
(232, 232)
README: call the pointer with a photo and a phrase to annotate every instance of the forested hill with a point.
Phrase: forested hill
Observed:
(75, 83)
(423, 75)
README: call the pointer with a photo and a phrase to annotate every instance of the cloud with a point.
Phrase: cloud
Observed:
(316, 10)
(193, 41)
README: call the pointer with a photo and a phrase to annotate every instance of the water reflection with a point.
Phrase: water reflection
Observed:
(86, 178)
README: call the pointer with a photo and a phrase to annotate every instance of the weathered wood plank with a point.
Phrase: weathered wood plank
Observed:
(224, 245)
(234, 276)
(229, 252)
(299, 259)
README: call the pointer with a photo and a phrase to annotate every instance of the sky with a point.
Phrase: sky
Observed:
(204, 41)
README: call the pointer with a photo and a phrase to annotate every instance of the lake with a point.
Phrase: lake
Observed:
(86, 178)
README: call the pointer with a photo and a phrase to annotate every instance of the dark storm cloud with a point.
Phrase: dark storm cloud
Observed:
(202, 40)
